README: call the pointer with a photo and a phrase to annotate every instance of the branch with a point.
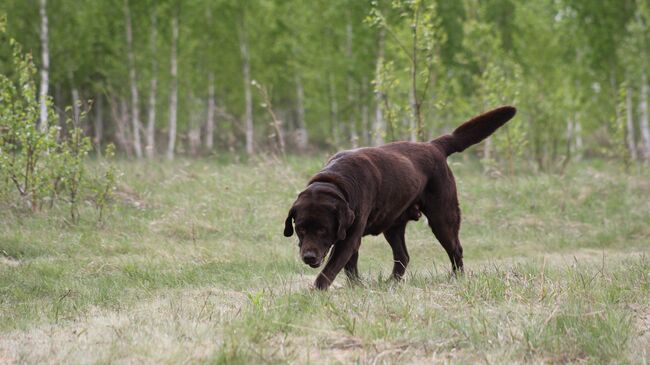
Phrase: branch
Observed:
(401, 45)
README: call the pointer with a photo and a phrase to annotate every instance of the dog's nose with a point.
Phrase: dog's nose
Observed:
(310, 258)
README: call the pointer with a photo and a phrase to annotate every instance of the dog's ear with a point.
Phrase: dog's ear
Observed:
(346, 217)
(288, 224)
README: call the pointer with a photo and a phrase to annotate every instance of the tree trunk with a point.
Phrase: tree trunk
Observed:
(135, 105)
(45, 68)
(120, 116)
(487, 149)
(209, 123)
(413, 121)
(98, 123)
(378, 127)
(643, 118)
(334, 112)
(150, 148)
(629, 125)
(365, 134)
(578, 136)
(59, 106)
(194, 132)
(354, 138)
(570, 147)
(416, 134)
(76, 105)
(173, 96)
(302, 138)
(248, 96)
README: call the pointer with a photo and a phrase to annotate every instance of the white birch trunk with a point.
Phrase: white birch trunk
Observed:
(195, 122)
(643, 118)
(334, 112)
(487, 149)
(76, 110)
(629, 125)
(578, 137)
(59, 106)
(243, 48)
(99, 123)
(45, 69)
(354, 137)
(122, 129)
(302, 138)
(378, 127)
(135, 108)
(173, 96)
(570, 147)
(150, 148)
(413, 127)
(364, 113)
(209, 123)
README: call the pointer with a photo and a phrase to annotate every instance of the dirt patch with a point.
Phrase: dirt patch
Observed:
(126, 195)
(641, 343)
(9, 261)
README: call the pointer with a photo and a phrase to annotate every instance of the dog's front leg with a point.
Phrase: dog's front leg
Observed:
(341, 254)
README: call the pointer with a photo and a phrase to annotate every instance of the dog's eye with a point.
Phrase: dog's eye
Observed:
(300, 230)
(321, 231)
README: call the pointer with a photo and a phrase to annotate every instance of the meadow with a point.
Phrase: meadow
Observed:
(190, 266)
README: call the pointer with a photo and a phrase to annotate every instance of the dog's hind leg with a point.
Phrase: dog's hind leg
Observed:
(443, 216)
(395, 237)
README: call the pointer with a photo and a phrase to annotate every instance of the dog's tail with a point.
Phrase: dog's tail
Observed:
(474, 130)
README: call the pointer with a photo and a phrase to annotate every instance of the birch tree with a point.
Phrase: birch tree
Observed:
(135, 102)
(248, 96)
(379, 126)
(302, 138)
(352, 123)
(209, 123)
(45, 66)
(643, 117)
(629, 124)
(153, 88)
(98, 122)
(634, 53)
(173, 94)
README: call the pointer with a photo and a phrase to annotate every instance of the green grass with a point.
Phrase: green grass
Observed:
(191, 266)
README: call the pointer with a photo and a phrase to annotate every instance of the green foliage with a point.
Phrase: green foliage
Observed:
(24, 147)
(415, 28)
(561, 62)
(500, 84)
(72, 154)
(104, 182)
(38, 163)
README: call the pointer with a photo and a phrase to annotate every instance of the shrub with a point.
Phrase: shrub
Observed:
(39, 164)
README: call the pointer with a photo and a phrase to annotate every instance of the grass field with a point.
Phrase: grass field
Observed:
(191, 267)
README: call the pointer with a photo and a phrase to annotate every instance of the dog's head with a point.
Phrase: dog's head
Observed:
(321, 216)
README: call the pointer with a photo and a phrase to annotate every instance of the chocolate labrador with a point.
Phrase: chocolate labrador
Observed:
(378, 190)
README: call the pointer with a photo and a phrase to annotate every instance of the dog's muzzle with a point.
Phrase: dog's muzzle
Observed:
(310, 258)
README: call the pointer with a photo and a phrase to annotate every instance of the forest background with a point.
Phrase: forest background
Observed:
(223, 78)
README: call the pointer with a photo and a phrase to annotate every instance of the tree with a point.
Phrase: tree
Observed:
(45, 66)
(150, 148)
(173, 94)
(135, 102)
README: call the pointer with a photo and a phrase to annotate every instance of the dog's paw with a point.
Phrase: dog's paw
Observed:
(321, 283)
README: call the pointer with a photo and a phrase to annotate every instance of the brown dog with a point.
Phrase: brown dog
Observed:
(378, 190)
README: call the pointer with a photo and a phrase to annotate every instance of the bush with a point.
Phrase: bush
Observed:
(39, 164)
